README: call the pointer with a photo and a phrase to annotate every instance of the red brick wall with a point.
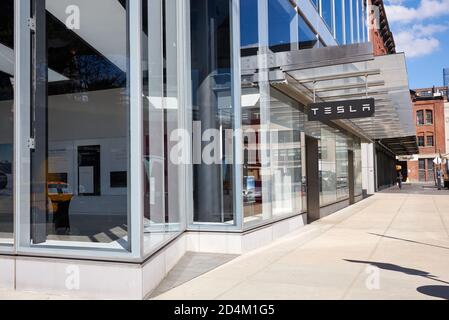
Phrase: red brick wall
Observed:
(437, 129)
(378, 44)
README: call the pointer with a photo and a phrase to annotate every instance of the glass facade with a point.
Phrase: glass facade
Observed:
(345, 19)
(138, 118)
(6, 120)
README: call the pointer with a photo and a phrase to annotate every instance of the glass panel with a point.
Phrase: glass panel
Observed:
(429, 117)
(327, 166)
(327, 13)
(249, 22)
(358, 188)
(361, 19)
(430, 170)
(162, 183)
(355, 18)
(213, 112)
(429, 141)
(275, 186)
(420, 141)
(348, 21)
(283, 25)
(420, 117)
(6, 120)
(342, 167)
(307, 38)
(81, 112)
(339, 17)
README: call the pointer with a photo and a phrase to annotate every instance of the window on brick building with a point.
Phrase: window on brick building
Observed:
(430, 142)
(429, 117)
(420, 118)
(420, 141)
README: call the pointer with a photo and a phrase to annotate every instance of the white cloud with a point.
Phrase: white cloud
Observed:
(427, 9)
(415, 45)
(414, 33)
(422, 30)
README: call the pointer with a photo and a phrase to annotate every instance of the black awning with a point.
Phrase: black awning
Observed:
(402, 146)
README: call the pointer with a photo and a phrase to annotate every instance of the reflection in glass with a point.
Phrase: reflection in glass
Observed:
(307, 38)
(342, 167)
(213, 112)
(6, 119)
(348, 21)
(358, 188)
(339, 18)
(283, 25)
(355, 19)
(86, 158)
(327, 166)
(327, 13)
(161, 119)
(275, 187)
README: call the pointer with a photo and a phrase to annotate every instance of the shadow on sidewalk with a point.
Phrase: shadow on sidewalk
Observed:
(434, 291)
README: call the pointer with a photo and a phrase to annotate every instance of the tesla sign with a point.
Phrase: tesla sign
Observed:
(349, 109)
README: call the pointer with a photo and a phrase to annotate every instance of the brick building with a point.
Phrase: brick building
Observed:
(429, 113)
(380, 34)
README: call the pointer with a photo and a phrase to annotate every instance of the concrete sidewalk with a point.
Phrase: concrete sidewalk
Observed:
(389, 246)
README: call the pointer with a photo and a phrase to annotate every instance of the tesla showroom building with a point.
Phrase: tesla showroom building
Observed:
(134, 131)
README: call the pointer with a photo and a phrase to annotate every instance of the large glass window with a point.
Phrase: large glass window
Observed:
(213, 111)
(162, 182)
(274, 151)
(80, 115)
(6, 120)
(327, 166)
(342, 167)
(327, 13)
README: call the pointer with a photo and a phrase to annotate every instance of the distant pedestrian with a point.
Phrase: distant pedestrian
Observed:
(400, 178)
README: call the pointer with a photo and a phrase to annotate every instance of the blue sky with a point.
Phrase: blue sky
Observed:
(421, 30)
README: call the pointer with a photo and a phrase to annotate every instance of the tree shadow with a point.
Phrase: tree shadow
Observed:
(434, 291)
